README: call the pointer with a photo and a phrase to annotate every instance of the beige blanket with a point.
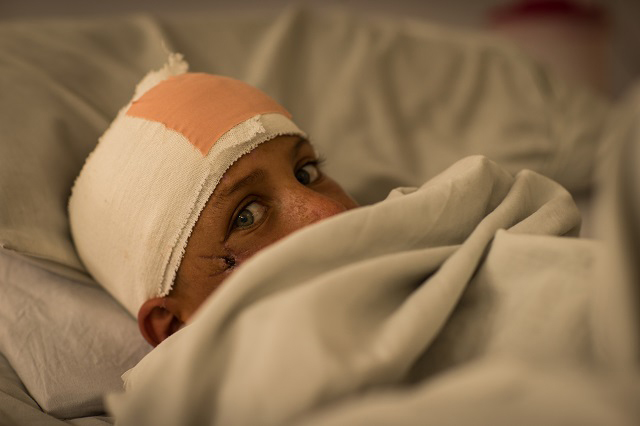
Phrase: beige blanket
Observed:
(448, 304)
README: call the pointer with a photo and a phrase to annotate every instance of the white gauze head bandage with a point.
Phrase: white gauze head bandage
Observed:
(142, 189)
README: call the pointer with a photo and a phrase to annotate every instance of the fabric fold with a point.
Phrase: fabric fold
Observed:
(341, 308)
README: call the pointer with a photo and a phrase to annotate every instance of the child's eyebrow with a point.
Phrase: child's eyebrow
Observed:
(298, 146)
(250, 179)
(256, 175)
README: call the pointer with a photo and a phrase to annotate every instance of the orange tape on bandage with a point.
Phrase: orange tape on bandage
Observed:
(203, 107)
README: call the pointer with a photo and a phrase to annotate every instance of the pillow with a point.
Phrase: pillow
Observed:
(62, 82)
(69, 343)
(392, 102)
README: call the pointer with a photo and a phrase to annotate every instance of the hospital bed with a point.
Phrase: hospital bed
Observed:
(390, 102)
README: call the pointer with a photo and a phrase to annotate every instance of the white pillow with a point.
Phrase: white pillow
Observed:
(68, 342)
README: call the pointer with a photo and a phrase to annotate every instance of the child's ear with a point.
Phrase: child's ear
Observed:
(158, 319)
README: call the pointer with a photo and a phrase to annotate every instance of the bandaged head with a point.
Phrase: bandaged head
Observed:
(141, 190)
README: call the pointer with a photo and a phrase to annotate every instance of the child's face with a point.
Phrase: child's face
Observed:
(267, 194)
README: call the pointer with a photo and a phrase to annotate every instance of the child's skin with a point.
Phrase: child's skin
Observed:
(267, 194)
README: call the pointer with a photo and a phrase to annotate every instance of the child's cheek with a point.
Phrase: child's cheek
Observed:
(240, 252)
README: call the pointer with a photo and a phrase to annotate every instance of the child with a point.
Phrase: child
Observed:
(194, 176)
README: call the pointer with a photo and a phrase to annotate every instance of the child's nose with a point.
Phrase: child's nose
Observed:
(305, 206)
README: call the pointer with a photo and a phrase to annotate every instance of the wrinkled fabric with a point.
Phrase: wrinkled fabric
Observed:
(445, 94)
(68, 342)
(389, 102)
(380, 300)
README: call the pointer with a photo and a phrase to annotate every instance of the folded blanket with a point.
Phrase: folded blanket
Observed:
(375, 300)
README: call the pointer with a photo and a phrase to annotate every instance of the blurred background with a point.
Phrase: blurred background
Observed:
(596, 41)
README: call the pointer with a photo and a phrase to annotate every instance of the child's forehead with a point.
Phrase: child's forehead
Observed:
(261, 158)
(202, 107)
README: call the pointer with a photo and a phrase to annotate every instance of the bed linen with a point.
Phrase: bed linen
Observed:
(404, 98)
(350, 320)
(617, 300)
(68, 342)
(355, 83)
(17, 407)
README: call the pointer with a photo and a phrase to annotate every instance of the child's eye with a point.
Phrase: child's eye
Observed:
(308, 173)
(249, 216)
